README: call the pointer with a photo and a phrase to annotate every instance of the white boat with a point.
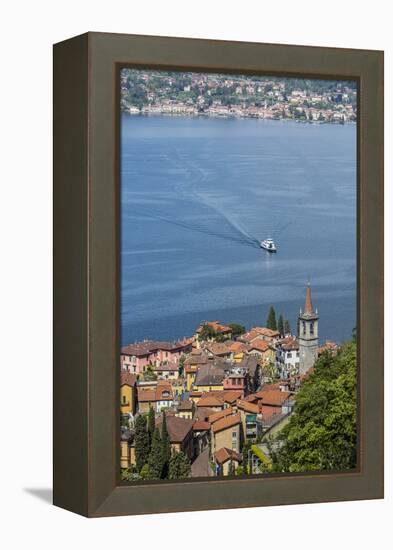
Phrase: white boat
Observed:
(268, 244)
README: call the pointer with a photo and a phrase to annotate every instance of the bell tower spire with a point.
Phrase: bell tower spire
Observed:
(308, 333)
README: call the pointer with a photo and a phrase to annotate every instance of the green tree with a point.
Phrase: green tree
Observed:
(151, 425)
(321, 434)
(179, 466)
(237, 329)
(246, 449)
(287, 327)
(181, 365)
(149, 373)
(145, 472)
(141, 442)
(280, 325)
(271, 319)
(165, 447)
(156, 461)
(207, 333)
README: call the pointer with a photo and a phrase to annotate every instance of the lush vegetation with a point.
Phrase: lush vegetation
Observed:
(321, 434)
(154, 458)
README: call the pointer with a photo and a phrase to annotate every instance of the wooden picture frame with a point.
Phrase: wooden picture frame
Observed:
(86, 266)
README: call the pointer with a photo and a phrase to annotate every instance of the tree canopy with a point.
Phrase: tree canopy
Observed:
(179, 466)
(142, 446)
(271, 319)
(321, 433)
(237, 329)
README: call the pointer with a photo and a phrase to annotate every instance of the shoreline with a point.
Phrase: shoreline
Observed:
(236, 116)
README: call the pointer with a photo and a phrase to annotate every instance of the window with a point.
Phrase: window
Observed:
(304, 327)
(234, 435)
(289, 355)
(124, 400)
(311, 328)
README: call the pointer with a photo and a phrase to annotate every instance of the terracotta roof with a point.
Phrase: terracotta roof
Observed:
(289, 343)
(220, 414)
(203, 413)
(163, 392)
(170, 367)
(226, 423)
(259, 345)
(210, 401)
(248, 407)
(224, 454)
(328, 346)
(200, 426)
(127, 379)
(150, 346)
(268, 332)
(216, 326)
(178, 428)
(250, 336)
(237, 347)
(196, 360)
(185, 405)
(273, 397)
(146, 395)
(218, 348)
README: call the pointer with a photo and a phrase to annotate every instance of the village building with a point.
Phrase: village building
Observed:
(227, 461)
(208, 378)
(287, 357)
(263, 350)
(249, 414)
(238, 351)
(308, 334)
(167, 371)
(226, 432)
(127, 393)
(328, 347)
(224, 331)
(180, 432)
(135, 358)
(158, 397)
(127, 448)
(185, 409)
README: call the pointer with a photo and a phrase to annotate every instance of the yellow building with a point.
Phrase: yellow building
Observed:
(127, 393)
(190, 372)
(185, 409)
(263, 350)
(227, 459)
(127, 453)
(226, 433)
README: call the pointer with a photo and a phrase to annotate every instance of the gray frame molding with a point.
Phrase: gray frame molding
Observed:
(86, 331)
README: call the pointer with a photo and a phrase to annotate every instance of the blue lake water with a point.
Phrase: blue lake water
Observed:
(195, 192)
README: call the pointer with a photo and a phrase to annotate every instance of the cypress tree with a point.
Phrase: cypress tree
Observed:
(179, 466)
(141, 442)
(271, 319)
(151, 425)
(155, 461)
(165, 446)
(280, 325)
(287, 327)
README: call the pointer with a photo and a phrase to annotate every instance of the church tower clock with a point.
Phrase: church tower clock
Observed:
(308, 334)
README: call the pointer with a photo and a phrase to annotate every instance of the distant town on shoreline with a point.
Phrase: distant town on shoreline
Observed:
(218, 95)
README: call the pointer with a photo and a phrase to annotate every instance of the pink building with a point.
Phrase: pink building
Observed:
(135, 358)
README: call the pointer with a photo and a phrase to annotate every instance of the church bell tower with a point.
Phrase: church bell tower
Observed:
(308, 334)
